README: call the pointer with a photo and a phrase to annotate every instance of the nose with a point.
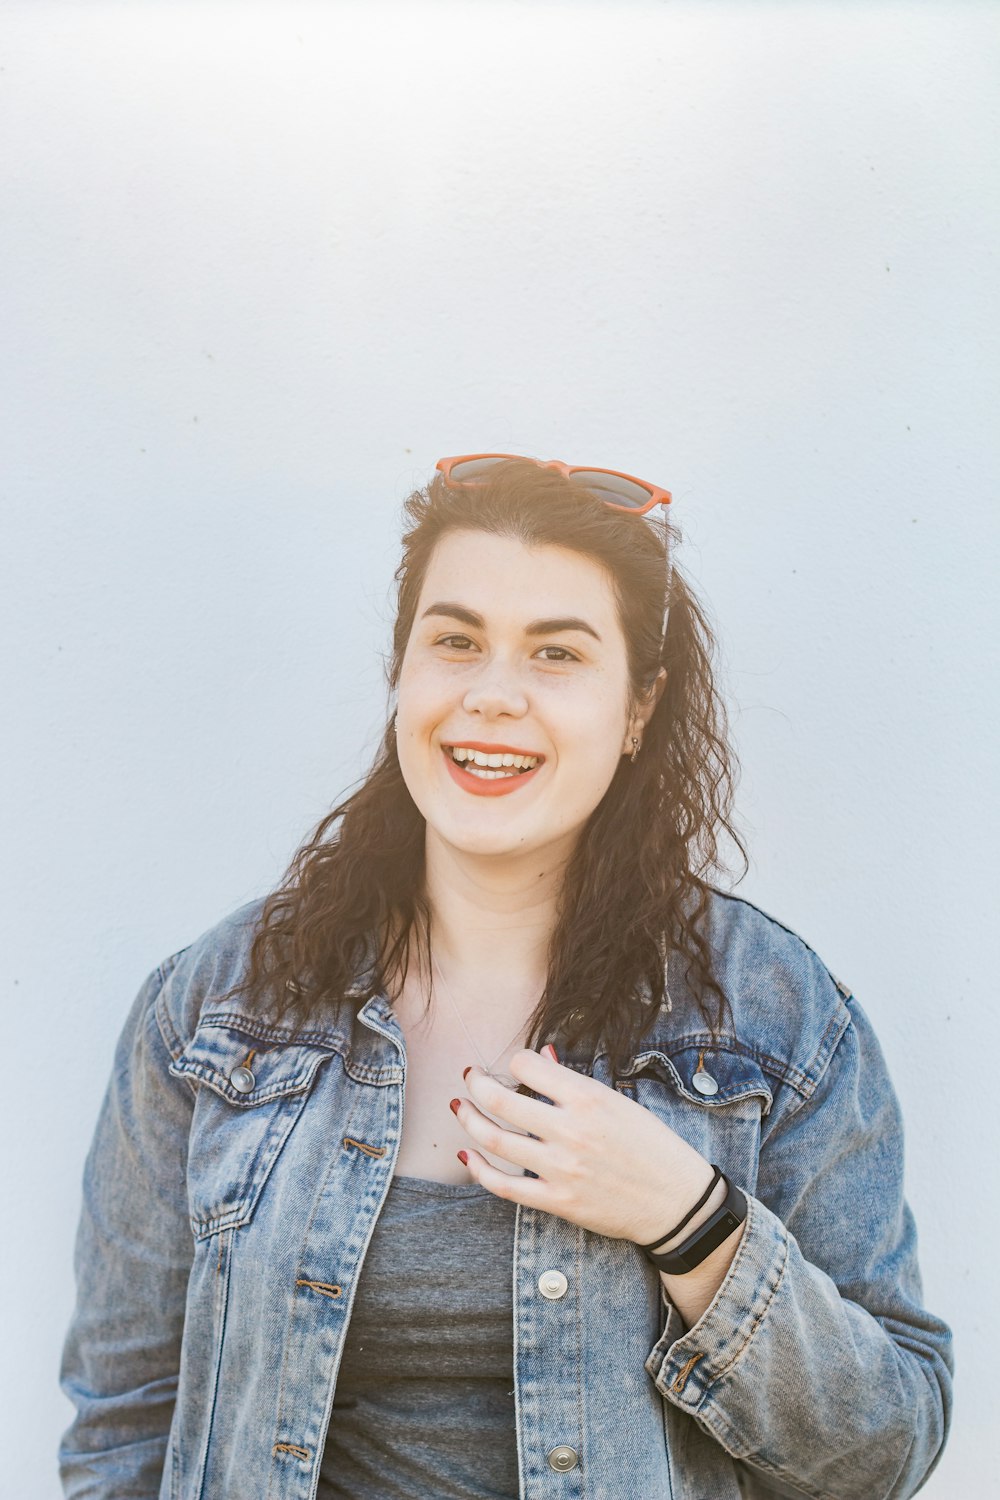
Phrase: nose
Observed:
(496, 690)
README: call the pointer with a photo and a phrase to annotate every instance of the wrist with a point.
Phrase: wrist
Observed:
(714, 1201)
(667, 1205)
(697, 1244)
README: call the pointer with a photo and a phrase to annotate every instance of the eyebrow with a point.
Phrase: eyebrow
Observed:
(553, 626)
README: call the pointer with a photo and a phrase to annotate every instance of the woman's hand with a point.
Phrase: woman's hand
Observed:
(602, 1161)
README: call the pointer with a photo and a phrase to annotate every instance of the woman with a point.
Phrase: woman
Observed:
(639, 1228)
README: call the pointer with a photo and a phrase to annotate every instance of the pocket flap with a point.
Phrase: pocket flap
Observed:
(710, 1076)
(265, 1070)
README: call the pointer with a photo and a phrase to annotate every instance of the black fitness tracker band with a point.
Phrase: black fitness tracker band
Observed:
(692, 1251)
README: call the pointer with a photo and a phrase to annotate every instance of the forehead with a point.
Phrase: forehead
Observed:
(501, 576)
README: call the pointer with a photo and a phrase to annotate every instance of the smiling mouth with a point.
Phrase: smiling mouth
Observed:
(506, 774)
(488, 766)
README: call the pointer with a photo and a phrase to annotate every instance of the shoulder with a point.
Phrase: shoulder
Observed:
(211, 965)
(787, 1010)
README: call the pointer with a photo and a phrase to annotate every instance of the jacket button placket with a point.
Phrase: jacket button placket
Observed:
(548, 1344)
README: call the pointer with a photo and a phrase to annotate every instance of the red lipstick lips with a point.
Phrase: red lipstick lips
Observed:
(490, 786)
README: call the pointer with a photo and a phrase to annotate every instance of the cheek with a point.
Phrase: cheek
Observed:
(424, 694)
(417, 772)
(595, 751)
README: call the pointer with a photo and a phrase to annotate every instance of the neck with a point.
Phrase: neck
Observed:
(491, 926)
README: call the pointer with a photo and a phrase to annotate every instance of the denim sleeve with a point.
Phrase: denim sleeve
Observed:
(816, 1365)
(132, 1259)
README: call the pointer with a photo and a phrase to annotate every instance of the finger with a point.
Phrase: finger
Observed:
(489, 1135)
(533, 1192)
(495, 1098)
(545, 1075)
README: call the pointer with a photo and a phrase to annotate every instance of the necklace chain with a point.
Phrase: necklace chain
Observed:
(487, 1067)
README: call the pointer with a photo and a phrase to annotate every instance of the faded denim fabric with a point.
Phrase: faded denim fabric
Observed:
(222, 1236)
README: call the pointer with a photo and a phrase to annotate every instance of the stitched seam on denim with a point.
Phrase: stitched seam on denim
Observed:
(741, 1253)
(212, 1075)
(283, 1378)
(327, 1416)
(329, 1046)
(579, 1280)
(169, 964)
(673, 1481)
(730, 1095)
(657, 1356)
(835, 1028)
(730, 896)
(161, 1011)
(161, 1018)
(520, 1233)
(773, 1290)
(249, 1025)
(270, 1148)
(221, 1318)
(774, 1067)
(380, 1076)
(175, 1461)
(203, 1229)
(847, 1030)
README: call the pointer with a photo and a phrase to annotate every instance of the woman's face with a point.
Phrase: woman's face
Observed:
(480, 668)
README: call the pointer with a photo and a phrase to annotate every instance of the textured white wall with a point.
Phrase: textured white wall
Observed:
(263, 264)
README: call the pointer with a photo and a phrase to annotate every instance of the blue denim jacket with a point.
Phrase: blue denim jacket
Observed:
(223, 1233)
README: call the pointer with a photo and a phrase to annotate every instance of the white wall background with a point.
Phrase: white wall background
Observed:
(263, 264)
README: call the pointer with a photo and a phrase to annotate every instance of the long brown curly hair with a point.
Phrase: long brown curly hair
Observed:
(635, 890)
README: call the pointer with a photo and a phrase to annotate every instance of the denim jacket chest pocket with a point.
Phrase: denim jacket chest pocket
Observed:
(249, 1095)
(714, 1097)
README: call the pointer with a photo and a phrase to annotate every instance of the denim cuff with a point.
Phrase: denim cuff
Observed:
(686, 1364)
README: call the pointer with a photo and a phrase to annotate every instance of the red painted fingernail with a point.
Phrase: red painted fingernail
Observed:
(463, 1157)
(551, 1051)
(466, 1071)
(454, 1106)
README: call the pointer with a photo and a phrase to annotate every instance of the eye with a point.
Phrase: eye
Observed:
(563, 656)
(445, 640)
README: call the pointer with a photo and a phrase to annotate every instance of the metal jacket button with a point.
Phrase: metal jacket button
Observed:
(552, 1284)
(704, 1082)
(563, 1458)
(242, 1080)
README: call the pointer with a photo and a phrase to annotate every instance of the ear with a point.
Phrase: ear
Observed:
(648, 705)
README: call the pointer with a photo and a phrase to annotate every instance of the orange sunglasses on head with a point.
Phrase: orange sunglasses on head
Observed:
(620, 491)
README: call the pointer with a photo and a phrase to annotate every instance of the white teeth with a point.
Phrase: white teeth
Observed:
(462, 754)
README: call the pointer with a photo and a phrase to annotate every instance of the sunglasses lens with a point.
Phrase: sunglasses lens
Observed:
(612, 487)
(473, 468)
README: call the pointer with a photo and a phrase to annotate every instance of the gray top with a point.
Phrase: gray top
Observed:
(424, 1403)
